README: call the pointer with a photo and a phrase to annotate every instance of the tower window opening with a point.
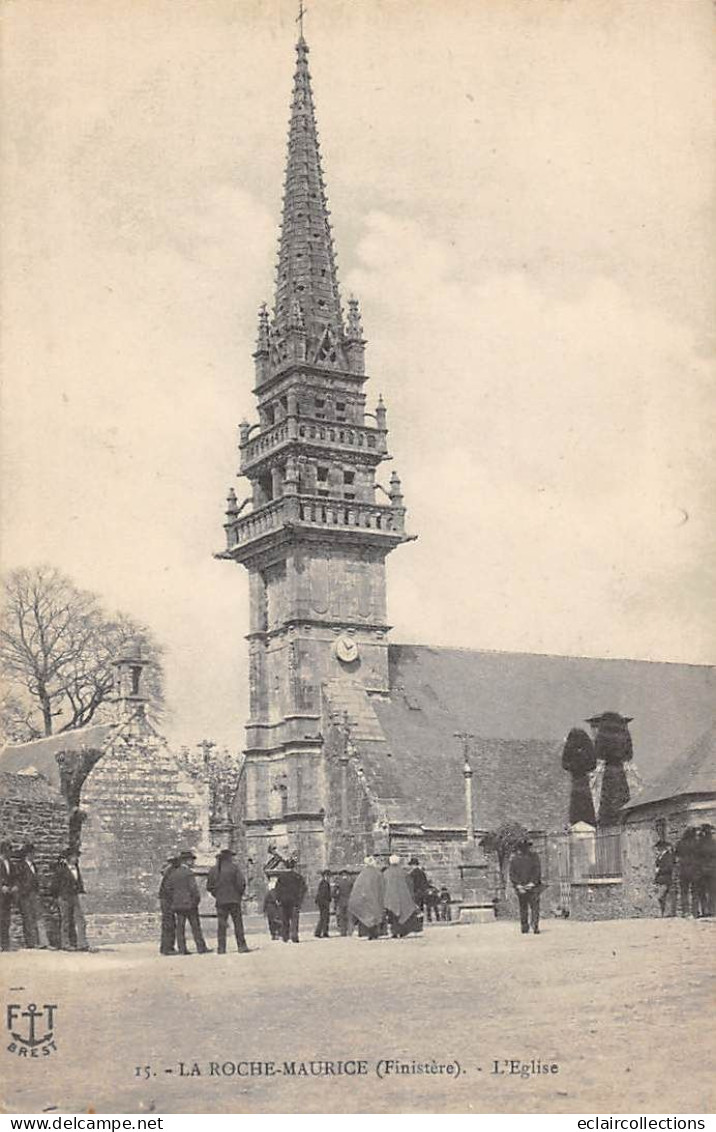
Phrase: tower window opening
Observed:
(270, 414)
(266, 486)
(349, 477)
(349, 495)
(322, 475)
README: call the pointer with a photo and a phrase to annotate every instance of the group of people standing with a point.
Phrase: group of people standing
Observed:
(379, 900)
(20, 887)
(179, 899)
(686, 873)
(434, 902)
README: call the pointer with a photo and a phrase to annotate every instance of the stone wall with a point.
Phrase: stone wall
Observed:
(31, 809)
(441, 855)
(141, 806)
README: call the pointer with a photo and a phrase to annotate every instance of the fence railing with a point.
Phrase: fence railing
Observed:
(591, 855)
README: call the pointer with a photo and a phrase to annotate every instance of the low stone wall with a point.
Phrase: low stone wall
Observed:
(130, 927)
(606, 899)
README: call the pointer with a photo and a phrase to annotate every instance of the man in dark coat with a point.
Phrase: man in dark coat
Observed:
(185, 903)
(444, 899)
(419, 882)
(272, 910)
(28, 898)
(706, 870)
(226, 884)
(430, 902)
(290, 890)
(665, 877)
(687, 857)
(68, 889)
(526, 876)
(344, 887)
(7, 891)
(323, 902)
(167, 945)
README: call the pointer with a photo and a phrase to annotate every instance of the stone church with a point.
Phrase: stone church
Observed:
(355, 744)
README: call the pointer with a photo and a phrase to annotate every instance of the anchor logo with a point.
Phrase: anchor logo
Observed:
(33, 1021)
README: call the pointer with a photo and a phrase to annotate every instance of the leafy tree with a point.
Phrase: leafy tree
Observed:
(57, 645)
(503, 842)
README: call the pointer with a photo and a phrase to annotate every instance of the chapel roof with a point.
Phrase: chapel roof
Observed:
(691, 772)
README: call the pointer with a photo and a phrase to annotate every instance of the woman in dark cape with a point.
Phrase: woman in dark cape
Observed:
(401, 909)
(366, 899)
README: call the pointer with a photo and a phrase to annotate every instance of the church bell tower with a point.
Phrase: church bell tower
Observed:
(316, 527)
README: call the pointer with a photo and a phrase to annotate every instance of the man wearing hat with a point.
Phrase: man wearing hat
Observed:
(290, 890)
(526, 877)
(665, 878)
(68, 889)
(419, 882)
(323, 903)
(7, 889)
(167, 943)
(686, 851)
(226, 884)
(28, 898)
(706, 869)
(185, 904)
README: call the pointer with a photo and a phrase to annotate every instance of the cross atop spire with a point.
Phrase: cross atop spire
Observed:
(299, 18)
(306, 277)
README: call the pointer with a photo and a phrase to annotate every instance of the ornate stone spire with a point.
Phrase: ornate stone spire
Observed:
(306, 265)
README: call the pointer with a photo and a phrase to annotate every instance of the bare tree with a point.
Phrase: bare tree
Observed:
(57, 645)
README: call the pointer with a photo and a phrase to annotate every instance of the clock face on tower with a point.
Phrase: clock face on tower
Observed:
(346, 649)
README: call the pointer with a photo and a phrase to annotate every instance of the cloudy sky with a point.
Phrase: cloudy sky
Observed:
(522, 194)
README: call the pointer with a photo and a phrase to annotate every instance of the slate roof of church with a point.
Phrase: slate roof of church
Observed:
(520, 707)
(693, 772)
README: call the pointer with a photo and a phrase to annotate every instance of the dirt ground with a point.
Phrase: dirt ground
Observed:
(621, 1008)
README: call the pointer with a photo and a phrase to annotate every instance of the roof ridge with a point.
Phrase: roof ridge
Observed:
(708, 666)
